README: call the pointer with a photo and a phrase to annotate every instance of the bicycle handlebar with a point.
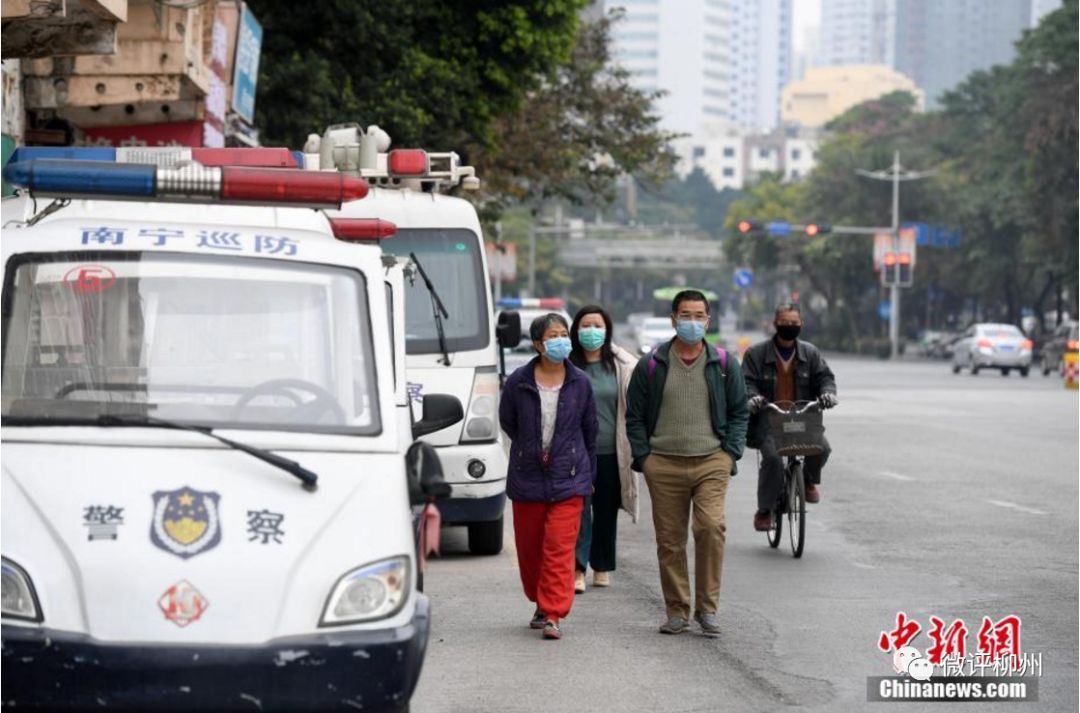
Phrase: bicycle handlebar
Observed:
(809, 405)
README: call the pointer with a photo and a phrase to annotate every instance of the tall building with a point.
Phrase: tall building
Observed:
(761, 61)
(940, 42)
(721, 62)
(680, 48)
(856, 32)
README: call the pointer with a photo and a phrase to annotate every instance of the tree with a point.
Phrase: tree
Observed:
(431, 73)
(582, 127)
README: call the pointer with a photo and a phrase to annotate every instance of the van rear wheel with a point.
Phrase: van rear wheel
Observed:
(486, 538)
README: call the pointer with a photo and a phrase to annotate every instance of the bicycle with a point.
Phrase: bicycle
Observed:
(798, 432)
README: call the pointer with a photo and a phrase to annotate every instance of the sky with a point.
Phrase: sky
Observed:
(805, 14)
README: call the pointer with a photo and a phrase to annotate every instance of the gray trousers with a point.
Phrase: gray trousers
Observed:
(771, 473)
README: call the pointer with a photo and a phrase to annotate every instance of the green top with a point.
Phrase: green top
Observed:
(684, 426)
(605, 388)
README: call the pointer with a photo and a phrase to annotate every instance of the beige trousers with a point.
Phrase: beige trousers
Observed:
(678, 484)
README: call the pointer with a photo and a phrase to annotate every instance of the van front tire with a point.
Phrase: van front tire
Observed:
(486, 538)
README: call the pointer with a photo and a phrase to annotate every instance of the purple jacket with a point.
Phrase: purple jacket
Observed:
(572, 470)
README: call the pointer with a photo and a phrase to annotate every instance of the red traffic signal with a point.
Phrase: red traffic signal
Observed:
(748, 226)
(818, 229)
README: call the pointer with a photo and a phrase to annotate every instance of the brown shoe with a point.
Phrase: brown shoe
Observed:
(763, 521)
(579, 582)
(813, 493)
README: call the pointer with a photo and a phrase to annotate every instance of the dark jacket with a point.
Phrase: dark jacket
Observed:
(572, 470)
(727, 400)
(812, 379)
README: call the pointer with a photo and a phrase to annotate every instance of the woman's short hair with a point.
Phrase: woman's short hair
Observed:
(541, 324)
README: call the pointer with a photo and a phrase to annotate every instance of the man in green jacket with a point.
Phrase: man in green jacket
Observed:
(686, 418)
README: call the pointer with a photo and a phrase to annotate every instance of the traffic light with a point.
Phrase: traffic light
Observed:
(746, 227)
(818, 229)
(888, 268)
(905, 272)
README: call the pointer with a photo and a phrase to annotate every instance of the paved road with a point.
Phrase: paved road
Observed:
(953, 496)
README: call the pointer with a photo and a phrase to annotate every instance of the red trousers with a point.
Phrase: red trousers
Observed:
(546, 535)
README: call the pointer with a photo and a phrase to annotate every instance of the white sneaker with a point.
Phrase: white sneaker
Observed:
(601, 579)
(579, 582)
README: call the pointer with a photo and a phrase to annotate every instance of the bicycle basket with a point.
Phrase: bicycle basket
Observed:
(797, 434)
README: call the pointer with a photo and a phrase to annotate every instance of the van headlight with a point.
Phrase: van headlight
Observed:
(480, 418)
(374, 591)
(18, 600)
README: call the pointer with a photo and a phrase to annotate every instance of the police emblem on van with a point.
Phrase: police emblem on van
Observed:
(185, 521)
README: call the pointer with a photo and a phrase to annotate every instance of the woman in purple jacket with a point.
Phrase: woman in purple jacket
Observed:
(547, 410)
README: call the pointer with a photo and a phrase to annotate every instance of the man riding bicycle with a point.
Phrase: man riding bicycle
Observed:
(784, 369)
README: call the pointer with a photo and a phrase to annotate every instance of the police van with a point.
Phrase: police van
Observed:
(206, 487)
(452, 340)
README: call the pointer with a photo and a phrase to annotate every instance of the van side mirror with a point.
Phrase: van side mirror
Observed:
(508, 329)
(425, 474)
(440, 411)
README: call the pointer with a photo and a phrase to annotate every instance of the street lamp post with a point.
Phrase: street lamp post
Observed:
(894, 174)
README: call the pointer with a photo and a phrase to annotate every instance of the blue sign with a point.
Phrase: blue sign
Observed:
(744, 277)
(937, 236)
(778, 228)
(884, 309)
(246, 67)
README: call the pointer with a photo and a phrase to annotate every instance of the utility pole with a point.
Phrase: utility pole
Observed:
(894, 174)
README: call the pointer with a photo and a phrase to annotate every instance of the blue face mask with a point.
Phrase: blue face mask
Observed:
(591, 338)
(557, 349)
(690, 331)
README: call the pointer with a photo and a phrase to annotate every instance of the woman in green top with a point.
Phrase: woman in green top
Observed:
(609, 368)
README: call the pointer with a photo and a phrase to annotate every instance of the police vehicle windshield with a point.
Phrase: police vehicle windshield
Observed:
(214, 341)
(451, 258)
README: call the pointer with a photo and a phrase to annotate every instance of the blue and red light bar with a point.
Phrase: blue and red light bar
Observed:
(225, 184)
(532, 303)
(167, 155)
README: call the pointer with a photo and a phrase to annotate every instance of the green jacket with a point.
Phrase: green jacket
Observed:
(727, 398)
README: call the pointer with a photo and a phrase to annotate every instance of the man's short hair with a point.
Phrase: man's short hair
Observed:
(541, 324)
(787, 307)
(688, 296)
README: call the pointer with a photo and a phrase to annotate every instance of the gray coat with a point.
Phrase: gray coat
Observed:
(813, 377)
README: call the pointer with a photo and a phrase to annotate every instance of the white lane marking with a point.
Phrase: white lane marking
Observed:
(1014, 506)
(861, 565)
(895, 476)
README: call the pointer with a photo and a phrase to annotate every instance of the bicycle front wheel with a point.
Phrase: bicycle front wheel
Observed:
(778, 527)
(797, 510)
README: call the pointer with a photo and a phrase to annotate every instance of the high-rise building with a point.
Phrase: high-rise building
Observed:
(721, 62)
(940, 42)
(761, 61)
(680, 48)
(856, 32)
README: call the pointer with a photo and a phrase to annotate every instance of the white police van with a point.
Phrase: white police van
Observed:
(205, 490)
(452, 341)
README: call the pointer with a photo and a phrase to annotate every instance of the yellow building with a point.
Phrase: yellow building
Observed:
(827, 92)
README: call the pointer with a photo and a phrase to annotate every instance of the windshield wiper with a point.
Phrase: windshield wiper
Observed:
(308, 478)
(436, 307)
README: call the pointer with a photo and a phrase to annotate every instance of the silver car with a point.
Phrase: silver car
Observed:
(992, 346)
(653, 331)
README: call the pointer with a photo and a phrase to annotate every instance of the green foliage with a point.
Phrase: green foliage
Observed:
(1004, 151)
(430, 73)
(583, 126)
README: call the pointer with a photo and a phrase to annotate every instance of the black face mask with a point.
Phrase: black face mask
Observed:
(788, 332)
